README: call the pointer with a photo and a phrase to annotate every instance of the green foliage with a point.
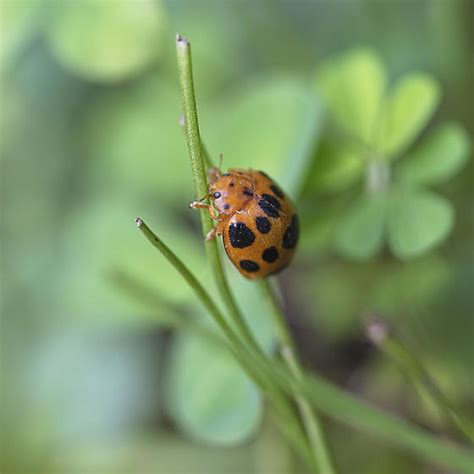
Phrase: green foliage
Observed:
(417, 221)
(106, 41)
(371, 127)
(405, 113)
(90, 140)
(208, 394)
(359, 233)
(438, 158)
(348, 292)
(285, 113)
(354, 85)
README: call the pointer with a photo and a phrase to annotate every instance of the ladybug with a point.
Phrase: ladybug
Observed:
(258, 222)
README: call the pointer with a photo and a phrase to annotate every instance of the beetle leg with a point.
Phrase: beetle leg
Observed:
(213, 213)
(211, 235)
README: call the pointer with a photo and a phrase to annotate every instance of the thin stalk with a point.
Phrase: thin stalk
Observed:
(192, 281)
(197, 156)
(173, 318)
(348, 409)
(381, 335)
(312, 424)
(204, 150)
(329, 399)
(323, 395)
(245, 356)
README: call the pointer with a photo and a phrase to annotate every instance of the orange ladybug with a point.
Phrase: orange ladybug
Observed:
(258, 221)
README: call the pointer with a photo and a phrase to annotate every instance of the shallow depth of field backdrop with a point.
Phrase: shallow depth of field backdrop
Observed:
(92, 378)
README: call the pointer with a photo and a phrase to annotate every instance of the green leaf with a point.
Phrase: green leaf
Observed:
(137, 144)
(263, 125)
(353, 85)
(105, 40)
(417, 222)
(438, 158)
(101, 235)
(359, 234)
(406, 112)
(209, 395)
(335, 168)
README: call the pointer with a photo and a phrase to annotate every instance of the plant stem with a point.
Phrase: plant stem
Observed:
(312, 424)
(246, 356)
(173, 317)
(197, 155)
(328, 398)
(269, 375)
(348, 409)
(381, 335)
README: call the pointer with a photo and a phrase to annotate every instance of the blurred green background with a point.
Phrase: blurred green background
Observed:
(360, 108)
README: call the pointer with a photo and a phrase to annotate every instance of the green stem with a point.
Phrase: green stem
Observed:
(337, 404)
(328, 398)
(197, 154)
(312, 424)
(245, 356)
(382, 336)
(348, 409)
(173, 316)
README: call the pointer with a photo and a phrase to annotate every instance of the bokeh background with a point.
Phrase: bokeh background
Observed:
(94, 376)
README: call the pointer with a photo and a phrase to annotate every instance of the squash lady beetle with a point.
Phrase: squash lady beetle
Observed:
(258, 222)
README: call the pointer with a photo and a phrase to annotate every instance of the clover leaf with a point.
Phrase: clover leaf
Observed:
(353, 85)
(439, 157)
(370, 126)
(406, 111)
(359, 234)
(417, 221)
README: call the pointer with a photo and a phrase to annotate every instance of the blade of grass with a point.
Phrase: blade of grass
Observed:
(174, 318)
(348, 409)
(333, 401)
(244, 354)
(323, 395)
(197, 154)
(381, 335)
(312, 424)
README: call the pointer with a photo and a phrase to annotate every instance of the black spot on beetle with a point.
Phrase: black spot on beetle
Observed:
(217, 195)
(270, 254)
(226, 206)
(272, 200)
(249, 265)
(248, 192)
(263, 224)
(268, 209)
(277, 190)
(290, 238)
(231, 184)
(240, 235)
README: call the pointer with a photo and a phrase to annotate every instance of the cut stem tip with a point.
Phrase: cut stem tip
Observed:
(181, 40)
(377, 330)
(138, 221)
